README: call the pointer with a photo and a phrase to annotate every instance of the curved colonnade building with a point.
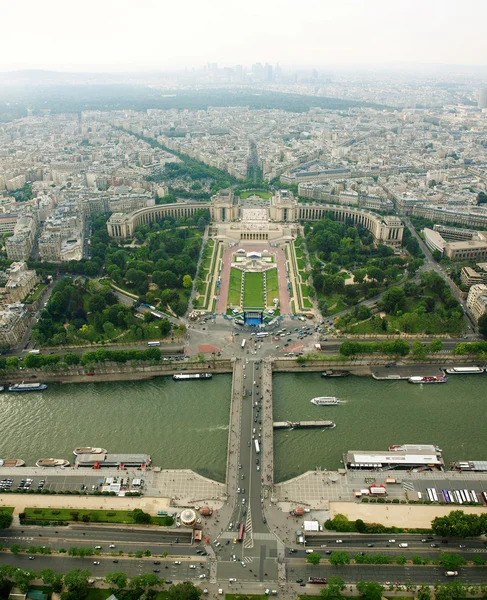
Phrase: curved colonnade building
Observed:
(274, 222)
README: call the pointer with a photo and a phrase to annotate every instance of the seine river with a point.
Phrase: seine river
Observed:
(376, 414)
(185, 424)
(180, 424)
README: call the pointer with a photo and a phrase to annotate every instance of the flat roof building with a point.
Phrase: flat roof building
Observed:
(358, 459)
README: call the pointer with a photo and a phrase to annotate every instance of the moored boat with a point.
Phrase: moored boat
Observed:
(27, 387)
(335, 373)
(88, 450)
(12, 462)
(415, 448)
(325, 401)
(464, 370)
(433, 379)
(189, 376)
(52, 462)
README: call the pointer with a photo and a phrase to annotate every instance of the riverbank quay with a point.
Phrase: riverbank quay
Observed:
(109, 371)
(114, 372)
(165, 489)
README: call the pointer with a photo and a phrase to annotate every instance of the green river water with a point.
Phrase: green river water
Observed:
(185, 424)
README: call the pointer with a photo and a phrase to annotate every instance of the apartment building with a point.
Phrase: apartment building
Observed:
(477, 300)
(19, 246)
(20, 282)
(50, 246)
(13, 324)
(471, 277)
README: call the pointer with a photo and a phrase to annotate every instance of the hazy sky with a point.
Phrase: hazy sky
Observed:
(124, 35)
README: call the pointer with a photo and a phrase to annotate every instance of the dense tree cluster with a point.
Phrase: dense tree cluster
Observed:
(460, 524)
(163, 259)
(428, 306)
(334, 245)
(84, 311)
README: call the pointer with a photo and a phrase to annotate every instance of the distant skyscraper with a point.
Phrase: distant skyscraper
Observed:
(483, 98)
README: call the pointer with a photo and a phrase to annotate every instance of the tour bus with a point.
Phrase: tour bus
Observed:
(241, 533)
(262, 334)
(34, 351)
(257, 447)
(244, 341)
(162, 513)
(153, 344)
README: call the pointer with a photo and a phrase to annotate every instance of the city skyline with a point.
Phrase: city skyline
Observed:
(120, 37)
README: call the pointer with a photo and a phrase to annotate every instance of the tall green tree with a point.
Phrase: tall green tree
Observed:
(118, 579)
(334, 588)
(451, 561)
(183, 591)
(339, 558)
(5, 520)
(313, 558)
(370, 590)
(76, 582)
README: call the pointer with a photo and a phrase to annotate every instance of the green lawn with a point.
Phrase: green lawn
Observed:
(272, 285)
(35, 295)
(96, 516)
(241, 596)
(335, 303)
(234, 287)
(260, 193)
(98, 594)
(254, 290)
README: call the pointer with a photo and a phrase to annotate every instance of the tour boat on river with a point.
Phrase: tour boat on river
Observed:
(325, 401)
(189, 376)
(27, 387)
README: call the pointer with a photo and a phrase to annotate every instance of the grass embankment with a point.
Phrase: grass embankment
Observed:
(234, 287)
(93, 516)
(254, 290)
(260, 193)
(272, 286)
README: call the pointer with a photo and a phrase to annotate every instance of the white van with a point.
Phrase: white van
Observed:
(403, 545)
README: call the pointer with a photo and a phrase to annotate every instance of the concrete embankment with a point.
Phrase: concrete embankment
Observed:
(114, 372)
(234, 427)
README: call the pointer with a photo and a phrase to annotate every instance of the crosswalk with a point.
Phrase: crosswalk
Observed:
(407, 485)
(248, 541)
(248, 559)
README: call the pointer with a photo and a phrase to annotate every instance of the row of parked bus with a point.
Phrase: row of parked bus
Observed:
(455, 496)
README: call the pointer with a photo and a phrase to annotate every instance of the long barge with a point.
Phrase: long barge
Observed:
(433, 379)
(303, 424)
(464, 370)
(190, 376)
(27, 387)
